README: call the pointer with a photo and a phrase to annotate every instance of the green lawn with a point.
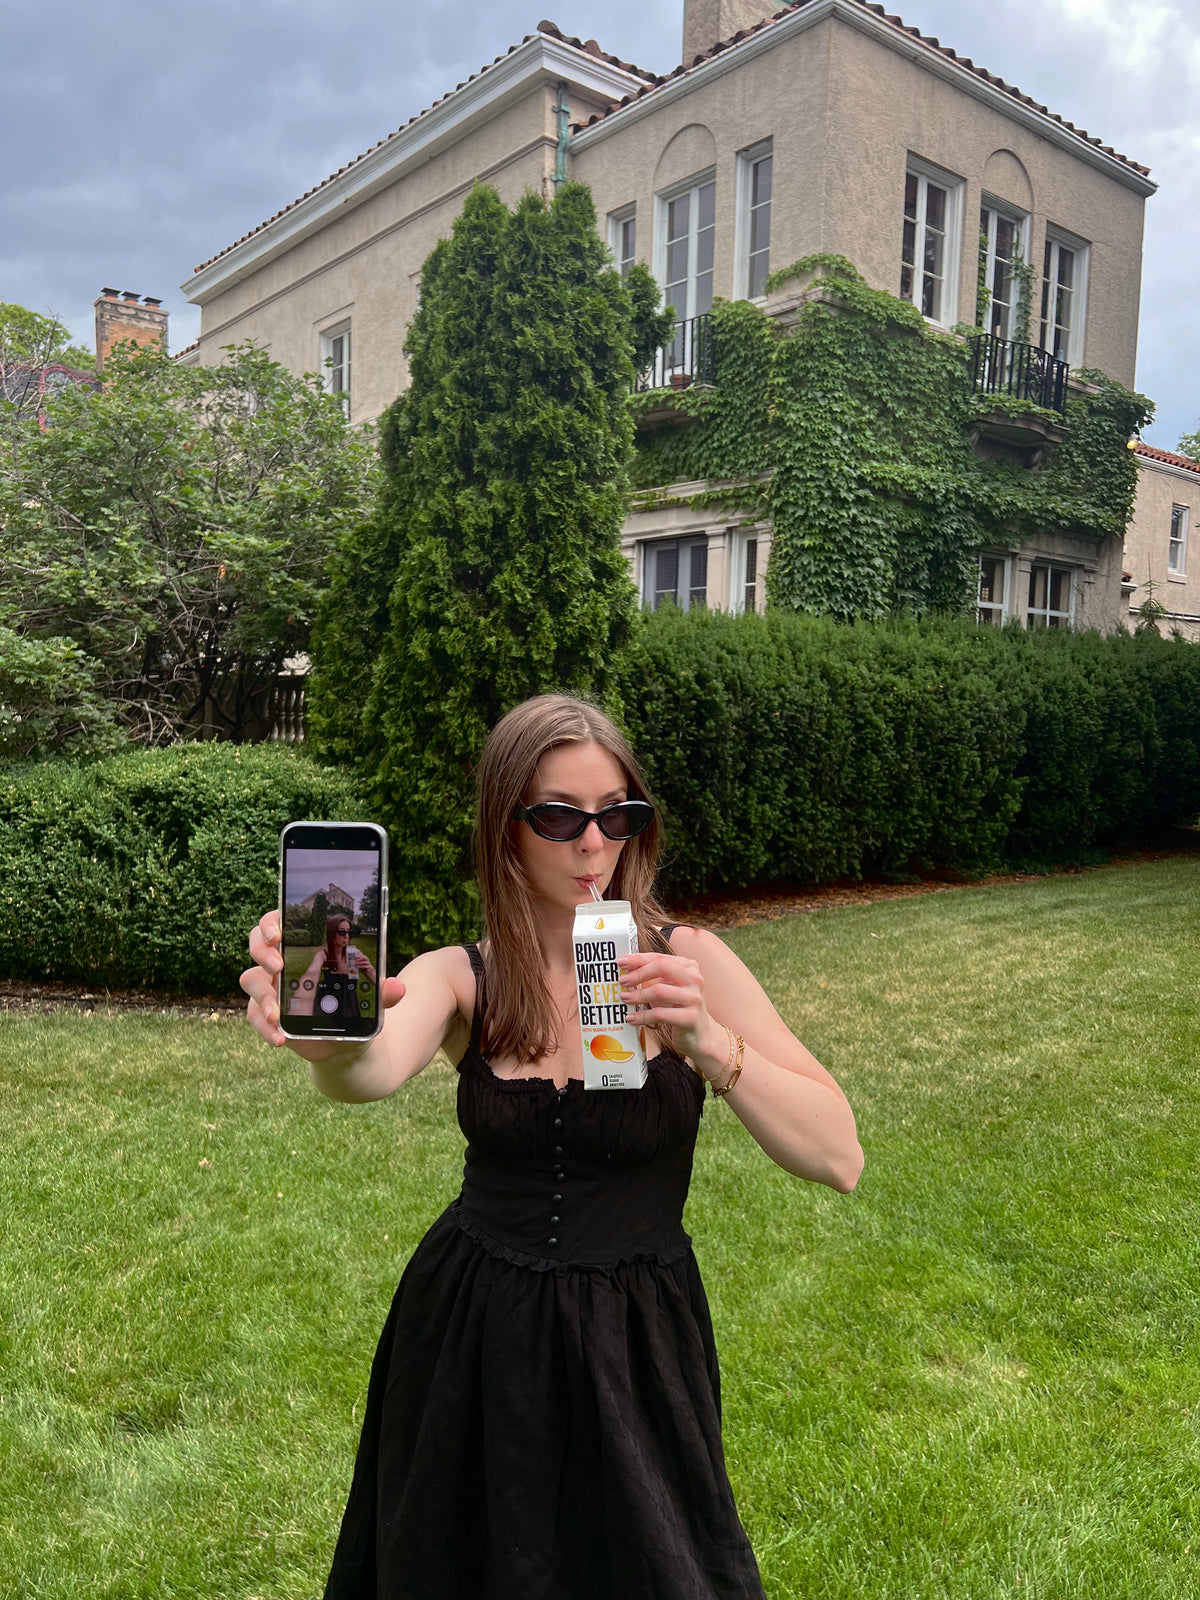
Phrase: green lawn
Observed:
(977, 1376)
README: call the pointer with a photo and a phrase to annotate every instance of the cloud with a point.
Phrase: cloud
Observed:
(142, 140)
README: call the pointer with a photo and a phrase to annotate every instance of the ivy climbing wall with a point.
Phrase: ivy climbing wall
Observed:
(852, 432)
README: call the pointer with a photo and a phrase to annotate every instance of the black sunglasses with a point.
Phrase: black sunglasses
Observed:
(554, 819)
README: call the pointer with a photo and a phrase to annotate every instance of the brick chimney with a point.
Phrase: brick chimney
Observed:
(122, 315)
(707, 22)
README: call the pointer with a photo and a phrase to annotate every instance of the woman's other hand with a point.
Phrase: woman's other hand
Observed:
(668, 991)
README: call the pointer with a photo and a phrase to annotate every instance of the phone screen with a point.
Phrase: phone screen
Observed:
(333, 899)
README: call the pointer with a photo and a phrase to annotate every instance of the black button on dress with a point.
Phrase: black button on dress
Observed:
(543, 1415)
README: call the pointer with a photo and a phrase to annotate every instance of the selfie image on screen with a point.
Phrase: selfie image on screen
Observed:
(331, 937)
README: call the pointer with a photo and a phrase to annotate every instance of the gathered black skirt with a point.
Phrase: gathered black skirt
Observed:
(541, 1433)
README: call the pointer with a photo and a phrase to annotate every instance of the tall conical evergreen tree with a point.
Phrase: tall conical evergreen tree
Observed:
(353, 616)
(504, 513)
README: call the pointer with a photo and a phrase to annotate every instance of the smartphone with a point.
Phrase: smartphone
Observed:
(333, 905)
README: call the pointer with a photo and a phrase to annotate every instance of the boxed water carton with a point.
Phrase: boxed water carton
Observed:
(614, 1051)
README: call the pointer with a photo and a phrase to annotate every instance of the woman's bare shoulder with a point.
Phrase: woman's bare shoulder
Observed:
(694, 943)
(450, 965)
(713, 956)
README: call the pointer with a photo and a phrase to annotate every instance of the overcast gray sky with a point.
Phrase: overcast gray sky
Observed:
(139, 139)
(312, 871)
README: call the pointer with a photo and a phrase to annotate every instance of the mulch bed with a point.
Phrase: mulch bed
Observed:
(765, 905)
(714, 911)
(28, 997)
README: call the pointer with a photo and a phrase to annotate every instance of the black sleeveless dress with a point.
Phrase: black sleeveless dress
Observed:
(543, 1416)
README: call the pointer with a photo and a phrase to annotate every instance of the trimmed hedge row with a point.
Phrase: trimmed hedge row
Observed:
(787, 748)
(782, 749)
(147, 869)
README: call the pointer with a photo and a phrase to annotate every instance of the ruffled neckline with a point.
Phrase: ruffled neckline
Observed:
(664, 1060)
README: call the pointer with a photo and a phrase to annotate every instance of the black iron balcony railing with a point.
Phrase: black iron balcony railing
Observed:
(1018, 371)
(689, 358)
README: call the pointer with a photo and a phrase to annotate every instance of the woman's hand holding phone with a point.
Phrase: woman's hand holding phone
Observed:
(261, 983)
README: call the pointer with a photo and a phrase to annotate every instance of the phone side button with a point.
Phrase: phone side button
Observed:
(386, 897)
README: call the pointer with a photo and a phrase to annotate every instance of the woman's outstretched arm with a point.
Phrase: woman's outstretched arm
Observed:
(422, 1008)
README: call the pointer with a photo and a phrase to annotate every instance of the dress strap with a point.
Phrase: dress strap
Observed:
(669, 929)
(477, 968)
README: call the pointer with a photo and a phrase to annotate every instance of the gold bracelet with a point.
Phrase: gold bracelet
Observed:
(737, 1071)
(728, 1058)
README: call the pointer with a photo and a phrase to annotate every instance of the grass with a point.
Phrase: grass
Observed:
(978, 1376)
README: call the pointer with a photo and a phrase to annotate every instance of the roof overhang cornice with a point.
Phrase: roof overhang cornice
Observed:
(1174, 469)
(540, 59)
(875, 27)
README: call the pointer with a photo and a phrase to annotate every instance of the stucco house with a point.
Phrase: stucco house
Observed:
(1159, 565)
(825, 126)
(333, 896)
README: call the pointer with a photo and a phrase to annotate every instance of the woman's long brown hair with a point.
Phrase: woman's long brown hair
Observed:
(331, 923)
(519, 1018)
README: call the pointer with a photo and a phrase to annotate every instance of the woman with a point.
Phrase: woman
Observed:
(543, 1417)
(335, 972)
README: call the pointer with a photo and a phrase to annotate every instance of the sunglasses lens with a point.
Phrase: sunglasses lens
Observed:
(557, 821)
(625, 820)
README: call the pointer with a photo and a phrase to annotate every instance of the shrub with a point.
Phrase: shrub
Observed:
(787, 748)
(146, 870)
(782, 748)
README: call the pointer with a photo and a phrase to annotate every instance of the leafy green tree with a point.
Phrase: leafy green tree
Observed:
(1189, 445)
(31, 339)
(506, 463)
(30, 342)
(368, 911)
(174, 527)
(48, 701)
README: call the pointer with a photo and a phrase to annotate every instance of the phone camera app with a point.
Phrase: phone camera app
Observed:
(331, 925)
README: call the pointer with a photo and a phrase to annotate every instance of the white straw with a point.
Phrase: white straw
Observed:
(596, 895)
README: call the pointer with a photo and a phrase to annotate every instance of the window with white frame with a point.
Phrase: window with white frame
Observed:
(335, 362)
(751, 578)
(1177, 548)
(1001, 239)
(753, 252)
(688, 235)
(993, 590)
(1064, 296)
(622, 237)
(675, 571)
(929, 249)
(1050, 594)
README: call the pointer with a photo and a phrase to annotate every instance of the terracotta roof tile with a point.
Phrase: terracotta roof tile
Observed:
(548, 28)
(900, 26)
(1167, 457)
